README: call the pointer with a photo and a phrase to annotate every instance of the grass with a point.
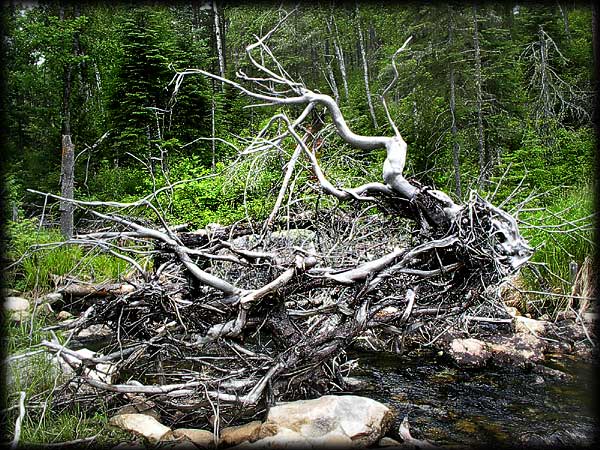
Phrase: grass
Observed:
(561, 229)
(43, 255)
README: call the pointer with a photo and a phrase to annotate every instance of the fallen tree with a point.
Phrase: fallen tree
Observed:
(232, 318)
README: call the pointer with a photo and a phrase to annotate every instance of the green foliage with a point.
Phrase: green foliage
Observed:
(223, 197)
(111, 183)
(562, 231)
(540, 168)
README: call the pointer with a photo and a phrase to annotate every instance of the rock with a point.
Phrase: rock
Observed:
(358, 384)
(64, 315)
(93, 335)
(201, 438)
(101, 372)
(388, 442)
(550, 372)
(363, 420)
(512, 311)
(142, 425)
(20, 316)
(333, 439)
(285, 438)
(139, 405)
(533, 326)
(469, 352)
(521, 349)
(16, 304)
(238, 434)
(17, 308)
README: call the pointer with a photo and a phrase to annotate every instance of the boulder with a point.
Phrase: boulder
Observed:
(142, 425)
(200, 438)
(388, 442)
(469, 352)
(236, 435)
(521, 350)
(15, 304)
(362, 420)
(64, 315)
(17, 308)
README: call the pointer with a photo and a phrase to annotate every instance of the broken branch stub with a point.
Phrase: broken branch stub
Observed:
(245, 318)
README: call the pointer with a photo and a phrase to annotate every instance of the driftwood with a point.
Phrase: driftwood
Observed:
(247, 314)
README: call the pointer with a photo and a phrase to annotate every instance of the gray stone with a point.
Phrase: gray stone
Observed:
(388, 442)
(361, 419)
(16, 304)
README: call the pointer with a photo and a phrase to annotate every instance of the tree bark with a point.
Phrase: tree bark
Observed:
(219, 41)
(67, 172)
(455, 146)
(483, 159)
(331, 75)
(365, 68)
(339, 54)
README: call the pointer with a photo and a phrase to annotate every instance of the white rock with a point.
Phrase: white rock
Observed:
(285, 438)
(362, 419)
(142, 425)
(16, 304)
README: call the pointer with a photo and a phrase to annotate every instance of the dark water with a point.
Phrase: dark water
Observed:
(451, 406)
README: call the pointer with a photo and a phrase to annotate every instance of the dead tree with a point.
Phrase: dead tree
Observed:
(246, 314)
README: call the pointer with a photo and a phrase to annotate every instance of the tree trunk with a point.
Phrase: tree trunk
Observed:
(365, 69)
(565, 17)
(330, 74)
(339, 54)
(483, 160)
(67, 172)
(455, 147)
(219, 42)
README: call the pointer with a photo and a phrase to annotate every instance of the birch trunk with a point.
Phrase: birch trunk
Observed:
(363, 56)
(339, 53)
(330, 74)
(219, 41)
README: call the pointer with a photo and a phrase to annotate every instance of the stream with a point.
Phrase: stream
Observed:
(494, 406)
